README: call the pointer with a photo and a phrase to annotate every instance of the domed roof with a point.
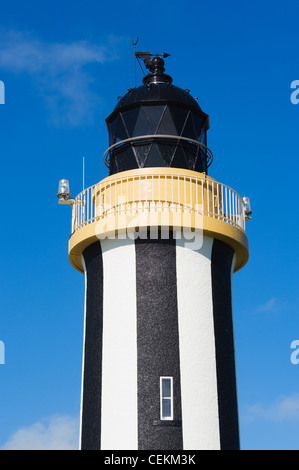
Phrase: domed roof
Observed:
(157, 88)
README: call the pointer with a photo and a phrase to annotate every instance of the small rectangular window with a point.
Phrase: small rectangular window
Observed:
(166, 398)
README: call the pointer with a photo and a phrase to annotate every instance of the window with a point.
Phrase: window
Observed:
(166, 398)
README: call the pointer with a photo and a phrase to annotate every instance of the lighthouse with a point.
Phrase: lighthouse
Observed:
(158, 241)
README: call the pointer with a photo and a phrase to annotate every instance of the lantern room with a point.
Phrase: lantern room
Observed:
(157, 125)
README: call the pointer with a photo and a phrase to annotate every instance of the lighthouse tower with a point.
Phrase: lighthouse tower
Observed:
(158, 241)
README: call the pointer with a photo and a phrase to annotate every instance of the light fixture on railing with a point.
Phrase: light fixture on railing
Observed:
(64, 192)
(247, 208)
(63, 189)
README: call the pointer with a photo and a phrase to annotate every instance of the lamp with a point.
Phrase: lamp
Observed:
(63, 189)
(247, 208)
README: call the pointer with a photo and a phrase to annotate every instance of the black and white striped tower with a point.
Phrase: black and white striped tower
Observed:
(158, 241)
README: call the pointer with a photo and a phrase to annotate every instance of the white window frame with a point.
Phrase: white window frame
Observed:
(170, 398)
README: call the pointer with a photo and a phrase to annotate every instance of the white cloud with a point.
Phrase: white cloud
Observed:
(54, 433)
(285, 408)
(59, 69)
(22, 52)
(269, 306)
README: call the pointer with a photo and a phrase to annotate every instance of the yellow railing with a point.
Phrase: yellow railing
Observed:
(158, 190)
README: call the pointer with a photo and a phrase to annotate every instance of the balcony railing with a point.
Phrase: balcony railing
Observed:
(139, 193)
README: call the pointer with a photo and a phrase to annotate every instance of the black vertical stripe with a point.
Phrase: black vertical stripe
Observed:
(221, 265)
(92, 379)
(157, 342)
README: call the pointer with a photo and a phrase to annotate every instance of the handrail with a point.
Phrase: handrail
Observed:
(140, 192)
(159, 136)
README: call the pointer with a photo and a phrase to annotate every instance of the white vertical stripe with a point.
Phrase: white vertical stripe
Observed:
(200, 417)
(119, 373)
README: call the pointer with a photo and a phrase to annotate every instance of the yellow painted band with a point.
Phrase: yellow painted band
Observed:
(214, 228)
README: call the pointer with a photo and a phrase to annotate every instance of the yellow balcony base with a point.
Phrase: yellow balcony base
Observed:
(112, 227)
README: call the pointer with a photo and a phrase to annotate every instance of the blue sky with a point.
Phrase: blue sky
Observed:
(63, 65)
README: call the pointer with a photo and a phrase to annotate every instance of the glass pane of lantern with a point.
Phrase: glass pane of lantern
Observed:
(121, 132)
(112, 129)
(191, 158)
(125, 159)
(179, 160)
(179, 117)
(198, 123)
(113, 167)
(167, 150)
(189, 130)
(118, 162)
(130, 162)
(130, 118)
(154, 115)
(154, 158)
(167, 126)
(201, 162)
(142, 126)
(141, 152)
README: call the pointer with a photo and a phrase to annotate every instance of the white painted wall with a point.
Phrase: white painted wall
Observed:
(197, 347)
(119, 375)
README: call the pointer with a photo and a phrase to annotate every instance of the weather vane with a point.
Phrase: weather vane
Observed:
(145, 56)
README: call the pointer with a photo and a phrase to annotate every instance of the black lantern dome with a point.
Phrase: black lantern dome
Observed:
(157, 125)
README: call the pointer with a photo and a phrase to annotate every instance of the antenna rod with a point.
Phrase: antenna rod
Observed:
(83, 174)
(134, 42)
